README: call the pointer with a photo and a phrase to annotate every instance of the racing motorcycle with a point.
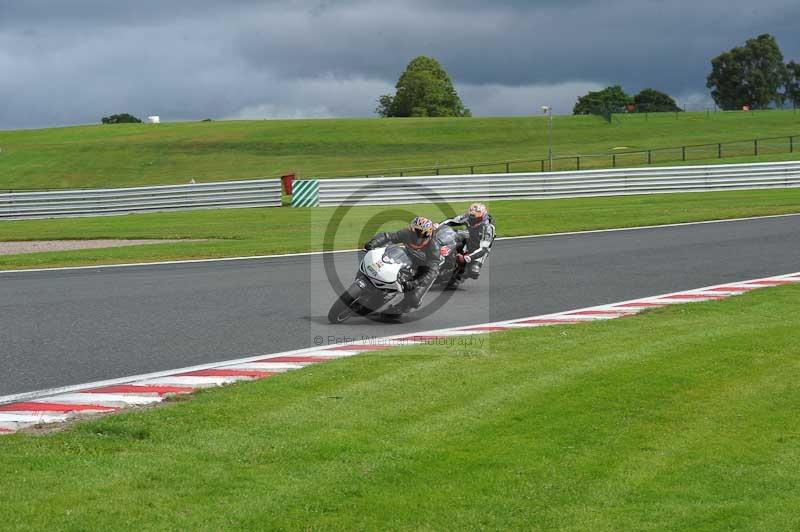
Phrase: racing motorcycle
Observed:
(383, 272)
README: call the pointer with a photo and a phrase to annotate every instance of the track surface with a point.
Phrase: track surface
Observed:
(69, 327)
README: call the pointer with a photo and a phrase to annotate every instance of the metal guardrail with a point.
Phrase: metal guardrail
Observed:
(99, 202)
(628, 181)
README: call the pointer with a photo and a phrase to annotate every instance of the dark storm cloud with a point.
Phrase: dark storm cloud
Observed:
(74, 61)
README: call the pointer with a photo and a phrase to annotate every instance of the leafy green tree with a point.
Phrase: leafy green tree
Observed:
(792, 91)
(653, 101)
(609, 100)
(748, 75)
(424, 89)
(123, 118)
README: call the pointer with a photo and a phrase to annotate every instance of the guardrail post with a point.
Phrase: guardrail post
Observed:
(437, 170)
(401, 173)
(507, 170)
(542, 165)
(613, 160)
(755, 147)
(649, 156)
(683, 153)
(719, 151)
(578, 162)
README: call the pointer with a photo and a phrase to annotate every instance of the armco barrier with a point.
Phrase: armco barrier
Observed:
(98, 202)
(399, 190)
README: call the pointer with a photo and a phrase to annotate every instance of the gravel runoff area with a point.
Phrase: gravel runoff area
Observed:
(39, 246)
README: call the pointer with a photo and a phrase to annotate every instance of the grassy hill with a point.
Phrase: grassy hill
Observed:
(136, 154)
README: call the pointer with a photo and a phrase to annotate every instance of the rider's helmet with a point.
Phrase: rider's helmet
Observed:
(422, 229)
(476, 214)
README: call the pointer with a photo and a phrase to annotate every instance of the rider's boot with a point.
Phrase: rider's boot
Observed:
(457, 279)
(454, 283)
(394, 311)
(404, 306)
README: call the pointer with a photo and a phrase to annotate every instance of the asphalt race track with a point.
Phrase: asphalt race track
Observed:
(59, 328)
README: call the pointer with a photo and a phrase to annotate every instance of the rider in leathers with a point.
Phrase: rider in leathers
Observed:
(479, 235)
(425, 256)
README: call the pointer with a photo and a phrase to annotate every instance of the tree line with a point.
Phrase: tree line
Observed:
(615, 100)
(752, 76)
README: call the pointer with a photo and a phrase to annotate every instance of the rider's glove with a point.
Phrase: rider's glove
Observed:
(368, 246)
(460, 258)
(409, 286)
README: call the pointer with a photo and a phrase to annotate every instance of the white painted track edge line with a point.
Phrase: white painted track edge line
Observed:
(312, 253)
(174, 262)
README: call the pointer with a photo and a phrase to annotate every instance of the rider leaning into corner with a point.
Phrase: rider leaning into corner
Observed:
(479, 236)
(424, 252)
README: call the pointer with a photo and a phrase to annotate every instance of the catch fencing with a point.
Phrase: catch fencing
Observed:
(628, 181)
(98, 202)
(619, 158)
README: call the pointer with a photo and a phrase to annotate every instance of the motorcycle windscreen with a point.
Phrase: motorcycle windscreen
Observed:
(398, 255)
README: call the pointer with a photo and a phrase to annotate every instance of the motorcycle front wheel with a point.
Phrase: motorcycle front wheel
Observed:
(346, 305)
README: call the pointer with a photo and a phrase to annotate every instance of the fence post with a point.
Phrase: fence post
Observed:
(755, 147)
(437, 170)
(649, 156)
(401, 173)
(471, 169)
(613, 160)
(542, 165)
(507, 170)
(578, 162)
(719, 151)
(683, 153)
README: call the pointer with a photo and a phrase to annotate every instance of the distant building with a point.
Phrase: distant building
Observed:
(153, 119)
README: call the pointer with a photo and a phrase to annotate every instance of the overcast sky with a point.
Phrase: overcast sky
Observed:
(74, 61)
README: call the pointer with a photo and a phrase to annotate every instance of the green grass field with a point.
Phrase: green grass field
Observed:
(246, 232)
(134, 154)
(139, 154)
(683, 418)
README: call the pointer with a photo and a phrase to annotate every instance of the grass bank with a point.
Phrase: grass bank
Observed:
(683, 418)
(145, 154)
(245, 232)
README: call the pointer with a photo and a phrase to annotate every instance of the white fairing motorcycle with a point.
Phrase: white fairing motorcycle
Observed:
(380, 277)
(383, 272)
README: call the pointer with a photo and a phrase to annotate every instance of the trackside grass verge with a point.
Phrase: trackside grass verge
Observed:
(682, 418)
(246, 232)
